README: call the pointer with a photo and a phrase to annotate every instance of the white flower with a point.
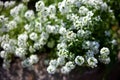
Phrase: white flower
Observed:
(61, 45)
(2, 17)
(53, 63)
(50, 29)
(3, 54)
(65, 70)
(1, 4)
(14, 12)
(81, 33)
(2, 43)
(63, 8)
(36, 46)
(71, 35)
(62, 30)
(90, 14)
(61, 60)
(26, 63)
(79, 60)
(44, 35)
(51, 69)
(21, 7)
(104, 6)
(12, 3)
(33, 36)
(104, 51)
(23, 37)
(20, 52)
(104, 59)
(107, 33)
(33, 59)
(86, 45)
(83, 10)
(90, 53)
(7, 47)
(39, 5)
(6, 4)
(70, 2)
(22, 44)
(107, 61)
(114, 42)
(95, 47)
(42, 41)
(29, 28)
(70, 65)
(52, 9)
(92, 62)
(29, 15)
(38, 27)
(45, 12)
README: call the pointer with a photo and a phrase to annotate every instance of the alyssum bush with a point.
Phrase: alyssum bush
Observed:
(78, 31)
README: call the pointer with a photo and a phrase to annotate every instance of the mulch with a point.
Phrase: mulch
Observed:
(38, 72)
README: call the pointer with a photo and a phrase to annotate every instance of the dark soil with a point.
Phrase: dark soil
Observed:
(38, 72)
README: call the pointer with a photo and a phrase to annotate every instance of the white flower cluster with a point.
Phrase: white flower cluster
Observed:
(33, 59)
(80, 39)
(7, 4)
(71, 28)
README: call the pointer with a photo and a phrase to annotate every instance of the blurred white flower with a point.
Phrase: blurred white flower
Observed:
(3, 54)
(62, 31)
(52, 9)
(7, 47)
(53, 63)
(23, 37)
(20, 52)
(38, 27)
(63, 8)
(92, 62)
(104, 51)
(65, 70)
(70, 35)
(79, 60)
(39, 6)
(104, 59)
(1, 4)
(44, 35)
(70, 65)
(33, 59)
(51, 69)
(33, 36)
(83, 10)
(51, 29)
(29, 15)
(61, 60)
(61, 45)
